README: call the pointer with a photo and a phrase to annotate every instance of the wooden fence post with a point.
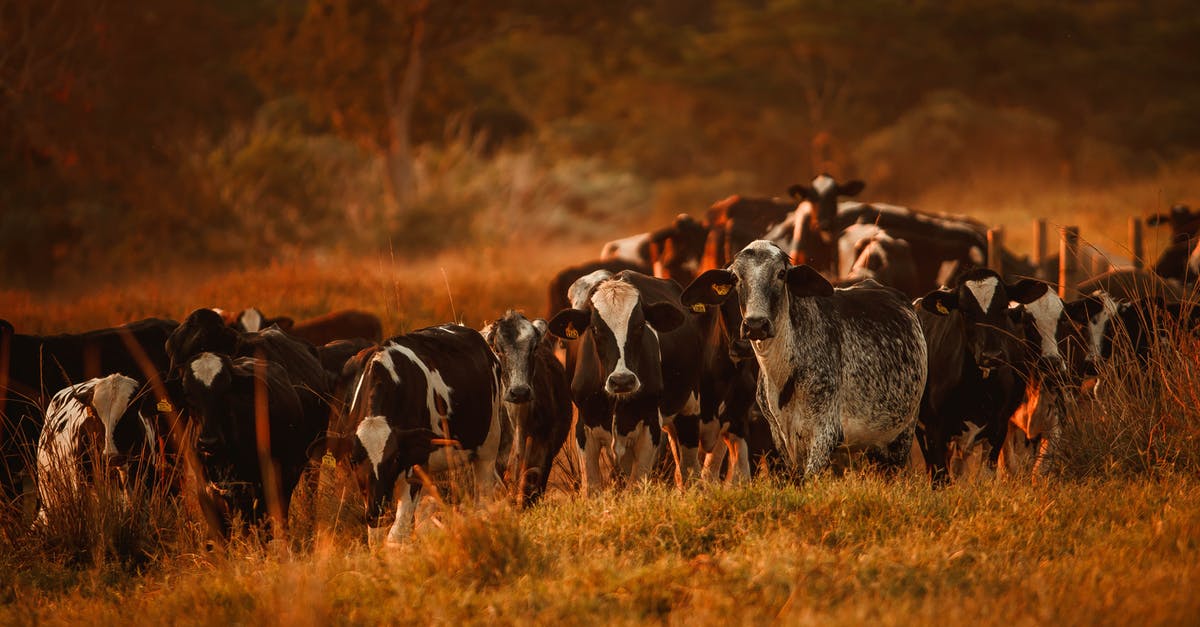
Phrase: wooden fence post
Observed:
(1068, 259)
(995, 258)
(1135, 242)
(1038, 258)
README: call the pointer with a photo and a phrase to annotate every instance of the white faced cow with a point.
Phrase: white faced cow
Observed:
(93, 427)
(838, 366)
(428, 398)
(637, 372)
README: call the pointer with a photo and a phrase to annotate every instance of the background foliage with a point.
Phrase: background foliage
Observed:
(137, 135)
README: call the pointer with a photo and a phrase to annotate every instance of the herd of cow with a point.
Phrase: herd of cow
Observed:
(807, 327)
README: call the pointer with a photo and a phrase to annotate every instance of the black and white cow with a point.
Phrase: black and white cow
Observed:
(975, 353)
(823, 193)
(537, 399)
(838, 367)
(637, 371)
(429, 398)
(32, 367)
(205, 331)
(94, 428)
(728, 387)
(344, 324)
(255, 424)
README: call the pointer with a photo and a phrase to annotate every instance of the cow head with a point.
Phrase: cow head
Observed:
(203, 331)
(1184, 223)
(982, 300)
(114, 419)
(515, 339)
(1095, 315)
(621, 328)
(823, 194)
(765, 282)
(251, 320)
(1046, 326)
(681, 247)
(208, 386)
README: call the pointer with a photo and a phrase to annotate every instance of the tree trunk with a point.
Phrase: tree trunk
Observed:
(401, 175)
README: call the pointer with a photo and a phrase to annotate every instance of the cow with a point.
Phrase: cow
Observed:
(537, 400)
(1130, 284)
(635, 249)
(728, 384)
(429, 398)
(823, 194)
(637, 372)
(975, 347)
(204, 331)
(672, 252)
(33, 367)
(1172, 262)
(838, 367)
(255, 424)
(92, 428)
(886, 260)
(738, 220)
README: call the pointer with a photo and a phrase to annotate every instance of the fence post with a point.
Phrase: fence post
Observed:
(1068, 259)
(1039, 248)
(995, 239)
(1135, 242)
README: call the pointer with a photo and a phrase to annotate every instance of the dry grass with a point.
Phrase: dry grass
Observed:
(1114, 538)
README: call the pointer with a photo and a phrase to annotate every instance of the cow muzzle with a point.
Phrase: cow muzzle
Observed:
(518, 394)
(622, 383)
(757, 328)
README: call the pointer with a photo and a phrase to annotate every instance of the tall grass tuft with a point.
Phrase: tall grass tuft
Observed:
(1141, 418)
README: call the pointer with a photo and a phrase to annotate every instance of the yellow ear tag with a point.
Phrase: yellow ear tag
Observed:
(698, 308)
(941, 308)
(572, 333)
(721, 289)
(164, 406)
(329, 461)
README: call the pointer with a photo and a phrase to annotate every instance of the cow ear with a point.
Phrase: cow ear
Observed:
(710, 288)
(541, 327)
(489, 333)
(939, 302)
(568, 324)
(283, 322)
(1026, 291)
(851, 188)
(664, 317)
(799, 192)
(803, 281)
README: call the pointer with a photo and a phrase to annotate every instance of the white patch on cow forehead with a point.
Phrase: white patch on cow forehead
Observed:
(206, 367)
(614, 302)
(373, 433)
(252, 320)
(1099, 323)
(1046, 312)
(984, 290)
(384, 358)
(110, 400)
(823, 183)
(578, 292)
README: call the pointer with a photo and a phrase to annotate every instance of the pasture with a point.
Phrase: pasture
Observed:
(1112, 537)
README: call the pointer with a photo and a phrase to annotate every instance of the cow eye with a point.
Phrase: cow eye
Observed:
(781, 274)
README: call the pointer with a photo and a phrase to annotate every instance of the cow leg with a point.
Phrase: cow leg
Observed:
(712, 449)
(594, 438)
(822, 440)
(644, 452)
(406, 512)
(485, 480)
(687, 430)
(739, 459)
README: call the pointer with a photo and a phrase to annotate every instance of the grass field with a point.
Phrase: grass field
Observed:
(1115, 543)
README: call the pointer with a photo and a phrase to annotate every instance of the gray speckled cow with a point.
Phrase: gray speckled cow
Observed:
(839, 367)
